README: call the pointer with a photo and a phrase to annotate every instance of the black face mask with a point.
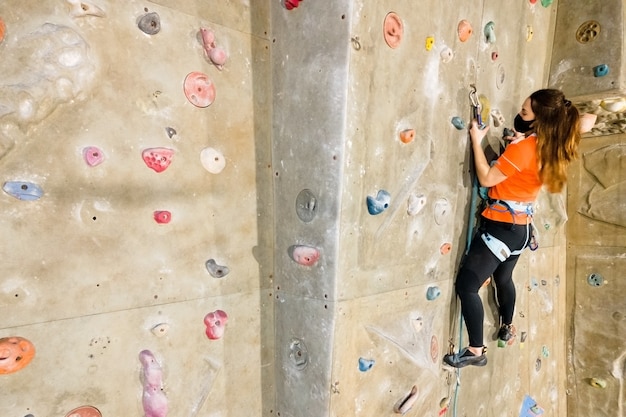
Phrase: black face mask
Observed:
(521, 125)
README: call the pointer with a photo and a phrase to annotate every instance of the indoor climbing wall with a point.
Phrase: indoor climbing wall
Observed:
(596, 251)
(590, 67)
(379, 202)
(136, 209)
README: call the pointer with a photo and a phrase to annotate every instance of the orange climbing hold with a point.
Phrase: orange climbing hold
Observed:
(393, 30)
(464, 30)
(3, 29)
(445, 248)
(84, 411)
(407, 135)
(15, 354)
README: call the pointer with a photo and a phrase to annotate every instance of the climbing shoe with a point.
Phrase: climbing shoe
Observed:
(506, 332)
(466, 357)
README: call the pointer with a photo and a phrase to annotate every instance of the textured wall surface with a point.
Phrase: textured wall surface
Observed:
(312, 305)
(88, 276)
(595, 269)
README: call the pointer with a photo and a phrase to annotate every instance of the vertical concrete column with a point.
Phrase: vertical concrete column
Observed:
(310, 68)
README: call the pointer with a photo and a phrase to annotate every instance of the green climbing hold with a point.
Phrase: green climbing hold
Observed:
(546, 3)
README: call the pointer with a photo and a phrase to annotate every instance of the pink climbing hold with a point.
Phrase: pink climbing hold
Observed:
(199, 89)
(212, 52)
(215, 324)
(153, 398)
(393, 30)
(158, 159)
(93, 156)
(162, 216)
(304, 255)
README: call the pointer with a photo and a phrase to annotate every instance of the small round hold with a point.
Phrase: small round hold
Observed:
(445, 248)
(600, 70)
(446, 55)
(160, 329)
(162, 216)
(458, 123)
(432, 293)
(407, 135)
(598, 382)
(149, 23)
(212, 160)
(494, 56)
(93, 156)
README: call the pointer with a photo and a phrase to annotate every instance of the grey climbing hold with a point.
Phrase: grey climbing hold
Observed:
(170, 132)
(432, 293)
(22, 190)
(490, 34)
(595, 280)
(600, 70)
(298, 354)
(306, 205)
(378, 204)
(149, 23)
(458, 123)
(366, 364)
(216, 271)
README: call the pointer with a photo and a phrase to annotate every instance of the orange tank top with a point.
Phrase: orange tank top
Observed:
(522, 184)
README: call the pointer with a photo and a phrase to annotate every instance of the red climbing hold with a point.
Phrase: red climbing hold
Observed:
(290, 4)
(158, 159)
(162, 217)
(304, 255)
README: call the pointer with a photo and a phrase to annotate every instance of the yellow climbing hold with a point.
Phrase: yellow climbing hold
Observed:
(430, 41)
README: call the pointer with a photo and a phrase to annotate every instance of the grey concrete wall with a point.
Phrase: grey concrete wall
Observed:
(309, 78)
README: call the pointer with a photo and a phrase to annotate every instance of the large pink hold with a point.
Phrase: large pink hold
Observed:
(158, 158)
(215, 324)
(93, 156)
(153, 398)
(304, 255)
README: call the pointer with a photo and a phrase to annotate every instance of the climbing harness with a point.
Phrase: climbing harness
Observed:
(500, 249)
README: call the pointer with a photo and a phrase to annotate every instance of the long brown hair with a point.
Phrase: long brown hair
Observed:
(557, 124)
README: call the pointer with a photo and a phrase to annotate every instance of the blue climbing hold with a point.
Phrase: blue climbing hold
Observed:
(458, 123)
(600, 70)
(22, 190)
(432, 293)
(379, 204)
(366, 364)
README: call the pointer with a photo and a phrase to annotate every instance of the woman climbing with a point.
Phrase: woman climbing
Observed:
(547, 134)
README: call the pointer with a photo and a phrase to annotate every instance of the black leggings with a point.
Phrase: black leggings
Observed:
(480, 264)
